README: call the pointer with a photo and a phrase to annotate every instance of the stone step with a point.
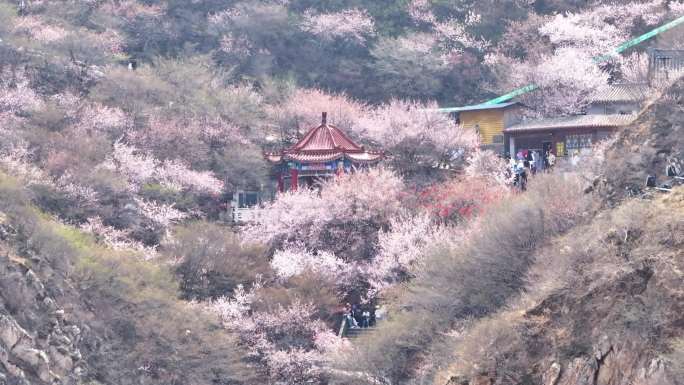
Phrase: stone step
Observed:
(355, 333)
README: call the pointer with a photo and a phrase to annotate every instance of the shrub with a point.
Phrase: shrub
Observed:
(308, 287)
(58, 203)
(677, 357)
(407, 334)
(132, 91)
(212, 262)
(493, 347)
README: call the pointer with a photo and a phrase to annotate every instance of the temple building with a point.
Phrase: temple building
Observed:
(608, 111)
(323, 152)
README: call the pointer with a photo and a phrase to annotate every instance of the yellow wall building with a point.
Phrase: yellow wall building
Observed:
(489, 122)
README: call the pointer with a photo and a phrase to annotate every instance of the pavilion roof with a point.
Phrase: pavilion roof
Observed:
(323, 144)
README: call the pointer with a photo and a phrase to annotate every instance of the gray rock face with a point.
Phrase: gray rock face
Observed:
(620, 366)
(37, 343)
(10, 332)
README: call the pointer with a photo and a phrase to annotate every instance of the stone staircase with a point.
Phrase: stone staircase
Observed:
(356, 333)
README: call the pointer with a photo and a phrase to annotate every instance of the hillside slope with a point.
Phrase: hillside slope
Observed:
(604, 304)
(74, 312)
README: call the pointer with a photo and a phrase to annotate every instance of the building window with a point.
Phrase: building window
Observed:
(575, 142)
(498, 139)
(249, 199)
(560, 149)
(664, 62)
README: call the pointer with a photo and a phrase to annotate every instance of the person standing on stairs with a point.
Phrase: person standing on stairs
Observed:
(349, 317)
(356, 312)
(365, 318)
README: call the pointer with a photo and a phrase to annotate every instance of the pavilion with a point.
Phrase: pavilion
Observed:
(323, 152)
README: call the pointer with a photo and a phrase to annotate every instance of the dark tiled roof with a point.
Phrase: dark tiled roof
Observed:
(577, 121)
(625, 93)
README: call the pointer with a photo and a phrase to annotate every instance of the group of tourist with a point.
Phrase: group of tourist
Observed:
(529, 162)
(357, 316)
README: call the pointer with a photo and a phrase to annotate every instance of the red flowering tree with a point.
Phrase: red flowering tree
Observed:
(458, 200)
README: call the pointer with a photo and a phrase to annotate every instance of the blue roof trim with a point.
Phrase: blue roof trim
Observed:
(476, 107)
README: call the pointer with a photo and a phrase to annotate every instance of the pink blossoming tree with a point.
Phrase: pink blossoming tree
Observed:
(290, 343)
(140, 167)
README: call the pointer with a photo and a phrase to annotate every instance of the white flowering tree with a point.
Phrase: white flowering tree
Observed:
(450, 34)
(339, 219)
(351, 24)
(302, 111)
(489, 166)
(570, 66)
(293, 260)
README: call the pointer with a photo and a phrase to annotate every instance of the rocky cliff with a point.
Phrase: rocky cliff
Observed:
(39, 339)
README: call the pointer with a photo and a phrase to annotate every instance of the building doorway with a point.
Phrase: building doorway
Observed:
(547, 148)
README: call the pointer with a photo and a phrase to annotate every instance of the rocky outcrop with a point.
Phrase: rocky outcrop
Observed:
(74, 312)
(625, 358)
(38, 344)
(617, 313)
(617, 367)
(48, 356)
(646, 148)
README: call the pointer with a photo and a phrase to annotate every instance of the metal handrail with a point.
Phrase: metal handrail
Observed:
(343, 327)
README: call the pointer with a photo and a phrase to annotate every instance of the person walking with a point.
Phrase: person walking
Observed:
(538, 161)
(552, 160)
(356, 312)
(523, 176)
(575, 158)
(520, 175)
(380, 313)
(547, 164)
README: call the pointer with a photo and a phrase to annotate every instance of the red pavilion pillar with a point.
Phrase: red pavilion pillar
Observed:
(281, 182)
(294, 175)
